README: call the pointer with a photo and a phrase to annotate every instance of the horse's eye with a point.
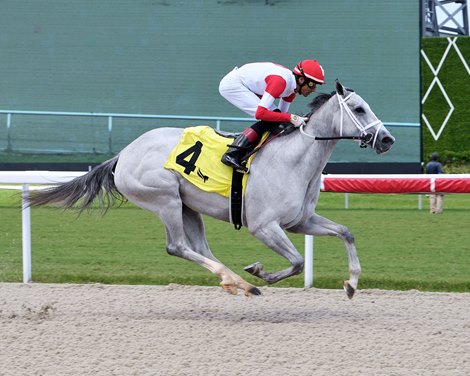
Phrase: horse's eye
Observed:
(359, 110)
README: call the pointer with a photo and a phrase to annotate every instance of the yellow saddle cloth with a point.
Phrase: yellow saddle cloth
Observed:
(197, 158)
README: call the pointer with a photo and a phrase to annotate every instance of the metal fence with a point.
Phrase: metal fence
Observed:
(109, 119)
(108, 139)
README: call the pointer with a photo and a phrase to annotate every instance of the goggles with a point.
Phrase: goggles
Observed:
(311, 84)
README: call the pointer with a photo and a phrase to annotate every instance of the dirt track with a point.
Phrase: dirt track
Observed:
(182, 330)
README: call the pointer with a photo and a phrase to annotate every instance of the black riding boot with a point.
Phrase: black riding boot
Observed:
(235, 152)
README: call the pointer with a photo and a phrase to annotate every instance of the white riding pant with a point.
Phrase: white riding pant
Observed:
(233, 90)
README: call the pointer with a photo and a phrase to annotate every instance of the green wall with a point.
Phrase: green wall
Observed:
(168, 56)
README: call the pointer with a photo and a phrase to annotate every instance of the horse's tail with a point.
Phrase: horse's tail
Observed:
(96, 184)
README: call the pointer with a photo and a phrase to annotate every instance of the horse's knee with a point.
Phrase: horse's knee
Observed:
(298, 266)
(174, 250)
(349, 237)
(170, 251)
(346, 235)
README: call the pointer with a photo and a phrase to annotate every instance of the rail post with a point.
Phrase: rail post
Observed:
(26, 229)
(9, 148)
(110, 135)
(308, 267)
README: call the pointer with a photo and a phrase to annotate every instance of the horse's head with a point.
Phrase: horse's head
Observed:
(358, 120)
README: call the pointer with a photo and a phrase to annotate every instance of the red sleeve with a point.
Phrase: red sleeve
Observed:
(290, 98)
(266, 115)
(275, 85)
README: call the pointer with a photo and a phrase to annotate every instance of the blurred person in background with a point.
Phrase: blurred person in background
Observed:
(436, 200)
(254, 87)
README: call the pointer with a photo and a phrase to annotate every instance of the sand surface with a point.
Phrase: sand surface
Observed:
(181, 330)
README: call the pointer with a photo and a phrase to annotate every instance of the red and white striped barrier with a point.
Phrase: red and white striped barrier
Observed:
(445, 183)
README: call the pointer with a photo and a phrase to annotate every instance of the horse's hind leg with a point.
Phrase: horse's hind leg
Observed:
(320, 226)
(184, 227)
(186, 239)
(195, 233)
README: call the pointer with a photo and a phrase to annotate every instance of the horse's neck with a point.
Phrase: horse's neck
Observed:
(302, 156)
(297, 157)
(321, 124)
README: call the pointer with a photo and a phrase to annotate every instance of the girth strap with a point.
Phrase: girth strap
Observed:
(236, 199)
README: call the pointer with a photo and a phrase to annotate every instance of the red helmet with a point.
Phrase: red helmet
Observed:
(310, 69)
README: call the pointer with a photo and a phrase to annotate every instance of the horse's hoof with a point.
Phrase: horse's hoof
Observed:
(231, 289)
(254, 269)
(349, 289)
(253, 291)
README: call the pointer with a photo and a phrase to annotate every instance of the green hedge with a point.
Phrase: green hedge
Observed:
(454, 142)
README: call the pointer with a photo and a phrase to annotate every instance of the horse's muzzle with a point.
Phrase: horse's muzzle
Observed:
(384, 141)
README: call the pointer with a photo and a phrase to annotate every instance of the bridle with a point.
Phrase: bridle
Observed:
(365, 138)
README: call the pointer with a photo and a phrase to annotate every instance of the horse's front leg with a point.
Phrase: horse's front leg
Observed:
(320, 226)
(275, 238)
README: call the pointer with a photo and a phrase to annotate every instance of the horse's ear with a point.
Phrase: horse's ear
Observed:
(340, 88)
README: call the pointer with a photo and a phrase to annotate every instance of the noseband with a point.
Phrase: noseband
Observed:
(365, 138)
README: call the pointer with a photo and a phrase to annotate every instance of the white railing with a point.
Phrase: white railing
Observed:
(25, 178)
(216, 120)
(110, 116)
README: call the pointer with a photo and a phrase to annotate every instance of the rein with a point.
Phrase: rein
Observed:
(365, 138)
(337, 138)
(267, 141)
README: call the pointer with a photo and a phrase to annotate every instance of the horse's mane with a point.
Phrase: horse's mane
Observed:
(315, 105)
(319, 101)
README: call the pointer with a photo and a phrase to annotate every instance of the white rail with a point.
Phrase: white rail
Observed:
(25, 178)
(110, 116)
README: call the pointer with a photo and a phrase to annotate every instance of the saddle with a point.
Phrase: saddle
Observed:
(283, 129)
(197, 157)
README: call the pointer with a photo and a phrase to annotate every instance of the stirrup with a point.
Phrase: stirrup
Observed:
(232, 162)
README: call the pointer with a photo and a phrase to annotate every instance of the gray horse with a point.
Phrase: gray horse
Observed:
(281, 193)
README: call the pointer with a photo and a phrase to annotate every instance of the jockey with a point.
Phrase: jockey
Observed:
(254, 87)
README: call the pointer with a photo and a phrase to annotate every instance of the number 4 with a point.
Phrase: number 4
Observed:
(189, 166)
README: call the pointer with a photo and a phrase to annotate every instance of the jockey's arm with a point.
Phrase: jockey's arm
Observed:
(284, 103)
(262, 113)
(275, 85)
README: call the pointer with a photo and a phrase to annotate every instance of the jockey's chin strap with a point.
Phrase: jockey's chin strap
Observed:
(365, 138)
